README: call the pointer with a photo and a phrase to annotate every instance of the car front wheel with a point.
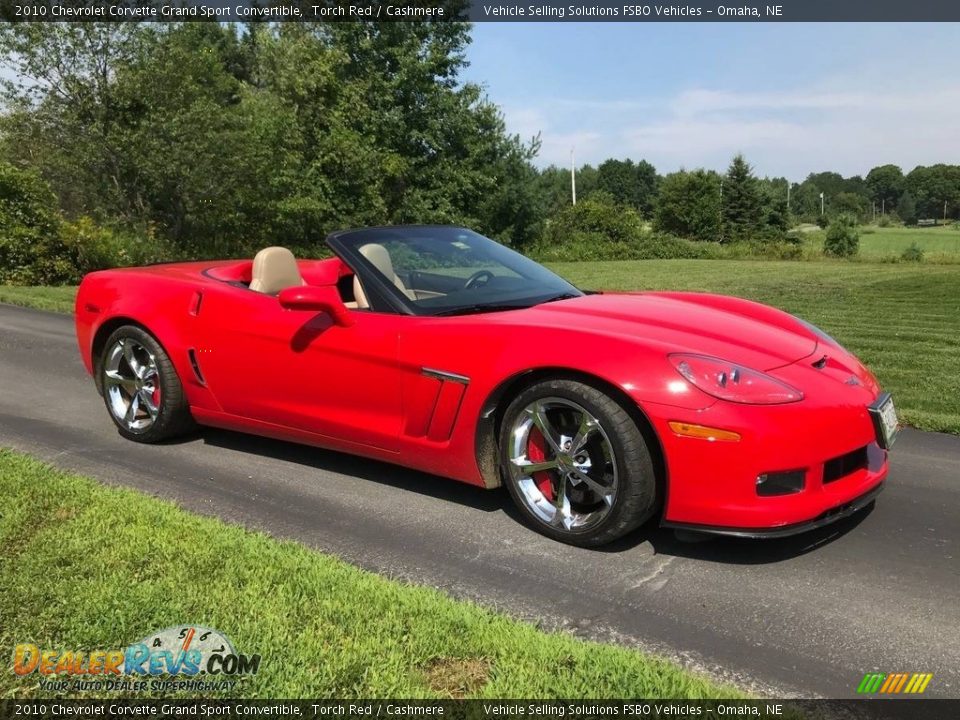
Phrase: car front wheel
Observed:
(575, 463)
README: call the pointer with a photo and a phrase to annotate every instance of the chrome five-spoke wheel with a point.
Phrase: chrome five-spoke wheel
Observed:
(141, 388)
(132, 382)
(563, 464)
(576, 463)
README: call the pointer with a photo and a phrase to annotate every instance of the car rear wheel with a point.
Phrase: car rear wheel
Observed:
(575, 463)
(141, 389)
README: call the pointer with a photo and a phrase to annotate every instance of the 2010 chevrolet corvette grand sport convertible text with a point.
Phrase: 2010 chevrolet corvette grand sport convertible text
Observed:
(438, 349)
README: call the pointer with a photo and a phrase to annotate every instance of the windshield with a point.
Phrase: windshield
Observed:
(437, 270)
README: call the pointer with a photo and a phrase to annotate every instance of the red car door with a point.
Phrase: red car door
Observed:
(297, 369)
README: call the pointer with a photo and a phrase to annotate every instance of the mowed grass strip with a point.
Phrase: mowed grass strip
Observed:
(902, 320)
(55, 299)
(940, 244)
(934, 241)
(88, 567)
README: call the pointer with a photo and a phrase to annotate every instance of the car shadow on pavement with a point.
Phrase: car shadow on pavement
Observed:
(357, 467)
(745, 551)
(664, 541)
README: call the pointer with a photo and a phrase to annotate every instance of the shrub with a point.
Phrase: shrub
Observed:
(842, 238)
(597, 217)
(822, 221)
(32, 251)
(914, 253)
(689, 205)
(594, 229)
(96, 247)
(884, 221)
(765, 250)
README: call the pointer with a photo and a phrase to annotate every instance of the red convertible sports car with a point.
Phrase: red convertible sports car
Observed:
(436, 348)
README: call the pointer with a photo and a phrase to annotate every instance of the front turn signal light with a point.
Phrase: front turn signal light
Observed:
(703, 432)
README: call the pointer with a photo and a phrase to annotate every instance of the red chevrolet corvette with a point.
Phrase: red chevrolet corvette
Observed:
(436, 348)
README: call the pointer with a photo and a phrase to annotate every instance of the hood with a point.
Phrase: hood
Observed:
(733, 329)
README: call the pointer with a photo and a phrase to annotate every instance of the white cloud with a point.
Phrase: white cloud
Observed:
(789, 132)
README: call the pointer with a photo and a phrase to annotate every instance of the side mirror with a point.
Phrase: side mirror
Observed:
(316, 298)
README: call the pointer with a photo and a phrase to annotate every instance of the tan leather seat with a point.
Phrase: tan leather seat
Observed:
(380, 257)
(275, 269)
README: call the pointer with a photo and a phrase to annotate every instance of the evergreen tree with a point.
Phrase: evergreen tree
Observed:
(742, 208)
(907, 208)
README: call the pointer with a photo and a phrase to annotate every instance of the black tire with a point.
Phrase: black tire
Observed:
(635, 498)
(172, 416)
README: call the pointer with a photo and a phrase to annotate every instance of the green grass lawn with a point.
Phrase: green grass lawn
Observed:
(57, 299)
(935, 242)
(87, 567)
(939, 244)
(902, 320)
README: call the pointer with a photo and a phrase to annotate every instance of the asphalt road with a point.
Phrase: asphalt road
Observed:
(807, 615)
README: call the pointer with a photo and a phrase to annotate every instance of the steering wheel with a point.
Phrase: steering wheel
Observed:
(475, 279)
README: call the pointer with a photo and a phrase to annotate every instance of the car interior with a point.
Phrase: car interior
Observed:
(276, 268)
(437, 276)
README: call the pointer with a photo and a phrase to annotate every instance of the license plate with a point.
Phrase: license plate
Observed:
(885, 420)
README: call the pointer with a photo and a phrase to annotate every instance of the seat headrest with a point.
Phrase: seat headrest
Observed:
(380, 257)
(275, 269)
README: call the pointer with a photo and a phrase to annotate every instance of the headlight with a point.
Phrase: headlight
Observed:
(817, 331)
(732, 382)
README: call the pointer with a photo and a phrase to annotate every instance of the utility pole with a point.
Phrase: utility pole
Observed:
(874, 211)
(883, 206)
(944, 211)
(788, 197)
(821, 204)
(721, 208)
(573, 177)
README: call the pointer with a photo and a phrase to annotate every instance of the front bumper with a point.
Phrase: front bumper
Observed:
(712, 485)
(828, 517)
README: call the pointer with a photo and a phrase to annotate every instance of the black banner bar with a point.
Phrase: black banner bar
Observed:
(635, 11)
(866, 709)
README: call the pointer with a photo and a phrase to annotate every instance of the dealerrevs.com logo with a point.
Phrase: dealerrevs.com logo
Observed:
(186, 657)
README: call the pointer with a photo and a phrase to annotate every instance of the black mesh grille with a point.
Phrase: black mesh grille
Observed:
(844, 465)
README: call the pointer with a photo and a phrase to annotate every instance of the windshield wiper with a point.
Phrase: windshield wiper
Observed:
(561, 296)
(475, 309)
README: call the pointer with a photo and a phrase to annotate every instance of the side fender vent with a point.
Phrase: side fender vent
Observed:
(195, 303)
(192, 354)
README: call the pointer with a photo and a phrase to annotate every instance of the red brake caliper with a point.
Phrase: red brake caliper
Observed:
(537, 452)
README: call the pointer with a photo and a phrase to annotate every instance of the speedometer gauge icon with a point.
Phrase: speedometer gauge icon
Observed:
(197, 642)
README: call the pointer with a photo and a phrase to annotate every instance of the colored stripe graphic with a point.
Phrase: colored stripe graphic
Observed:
(894, 683)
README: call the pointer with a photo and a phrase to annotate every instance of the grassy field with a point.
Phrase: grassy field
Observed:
(57, 299)
(939, 244)
(86, 567)
(902, 320)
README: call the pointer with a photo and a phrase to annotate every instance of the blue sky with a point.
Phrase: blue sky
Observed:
(794, 98)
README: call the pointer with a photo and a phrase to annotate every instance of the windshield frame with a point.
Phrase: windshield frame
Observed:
(384, 296)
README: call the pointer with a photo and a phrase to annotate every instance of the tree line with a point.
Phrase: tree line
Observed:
(208, 139)
(704, 204)
(128, 143)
